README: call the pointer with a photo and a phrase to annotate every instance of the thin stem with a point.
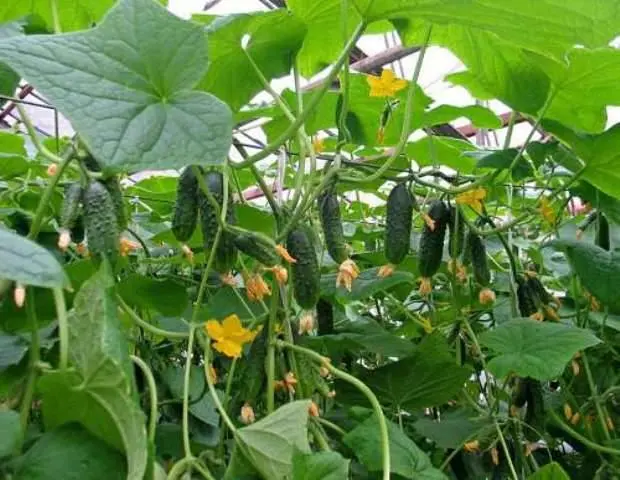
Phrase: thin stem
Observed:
(63, 328)
(506, 451)
(324, 361)
(26, 401)
(52, 157)
(595, 397)
(203, 470)
(188, 365)
(510, 130)
(179, 468)
(405, 132)
(150, 380)
(314, 101)
(214, 395)
(147, 326)
(271, 349)
(330, 425)
(577, 436)
(268, 192)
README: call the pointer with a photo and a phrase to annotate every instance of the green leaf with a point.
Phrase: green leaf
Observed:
(546, 26)
(12, 350)
(71, 453)
(406, 458)
(598, 269)
(101, 407)
(202, 405)
(27, 263)
(523, 347)
(275, 38)
(11, 429)
(428, 378)
(551, 471)
(501, 160)
(450, 152)
(165, 296)
(270, 442)
(479, 116)
(324, 37)
(12, 151)
(320, 466)
(97, 342)
(126, 86)
(9, 80)
(453, 429)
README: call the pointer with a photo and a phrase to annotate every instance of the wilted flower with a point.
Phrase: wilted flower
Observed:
(19, 295)
(256, 287)
(212, 374)
(486, 296)
(228, 279)
(313, 409)
(426, 286)
(473, 446)
(64, 239)
(280, 273)
(386, 270)
(247, 414)
(52, 169)
(306, 323)
(127, 246)
(347, 272)
(283, 252)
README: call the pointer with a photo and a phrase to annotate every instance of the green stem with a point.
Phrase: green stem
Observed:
(506, 451)
(52, 157)
(577, 436)
(331, 426)
(268, 192)
(147, 326)
(214, 395)
(203, 470)
(63, 328)
(150, 380)
(595, 397)
(405, 132)
(271, 349)
(26, 402)
(361, 386)
(179, 468)
(314, 101)
(188, 365)
(319, 436)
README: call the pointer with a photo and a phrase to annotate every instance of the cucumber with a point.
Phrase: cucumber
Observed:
(91, 163)
(535, 411)
(306, 273)
(226, 253)
(77, 231)
(331, 221)
(520, 392)
(538, 290)
(185, 215)
(432, 241)
(71, 205)
(253, 375)
(602, 237)
(526, 299)
(456, 235)
(100, 222)
(478, 256)
(258, 247)
(113, 186)
(399, 211)
(325, 317)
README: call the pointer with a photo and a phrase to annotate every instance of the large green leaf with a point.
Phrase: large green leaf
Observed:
(428, 378)
(275, 38)
(548, 26)
(11, 432)
(551, 471)
(25, 262)
(529, 348)
(71, 453)
(101, 407)
(598, 269)
(202, 405)
(406, 458)
(454, 428)
(320, 466)
(126, 86)
(270, 443)
(449, 152)
(165, 296)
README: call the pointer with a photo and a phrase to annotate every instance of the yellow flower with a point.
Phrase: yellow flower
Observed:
(547, 211)
(229, 336)
(473, 198)
(347, 272)
(256, 288)
(318, 145)
(283, 252)
(386, 85)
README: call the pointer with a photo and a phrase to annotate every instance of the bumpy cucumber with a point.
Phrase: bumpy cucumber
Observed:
(253, 375)
(432, 241)
(535, 411)
(71, 205)
(77, 231)
(602, 237)
(185, 215)
(226, 254)
(113, 186)
(526, 299)
(456, 235)
(258, 247)
(520, 392)
(331, 220)
(306, 274)
(325, 317)
(100, 221)
(538, 290)
(399, 211)
(478, 256)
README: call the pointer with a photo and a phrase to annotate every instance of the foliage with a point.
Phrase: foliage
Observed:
(328, 332)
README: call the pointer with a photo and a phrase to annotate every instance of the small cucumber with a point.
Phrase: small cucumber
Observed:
(526, 299)
(77, 231)
(306, 274)
(185, 215)
(331, 220)
(258, 247)
(100, 222)
(432, 241)
(535, 410)
(478, 255)
(113, 186)
(399, 212)
(325, 317)
(71, 205)
(520, 392)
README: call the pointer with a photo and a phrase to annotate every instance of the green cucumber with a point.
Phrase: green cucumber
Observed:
(77, 231)
(520, 392)
(538, 290)
(71, 205)
(325, 317)
(535, 410)
(526, 299)
(113, 186)
(478, 256)
(305, 272)
(258, 247)
(331, 220)
(100, 222)
(456, 232)
(185, 215)
(432, 241)
(226, 253)
(602, 237)
(399, 212)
